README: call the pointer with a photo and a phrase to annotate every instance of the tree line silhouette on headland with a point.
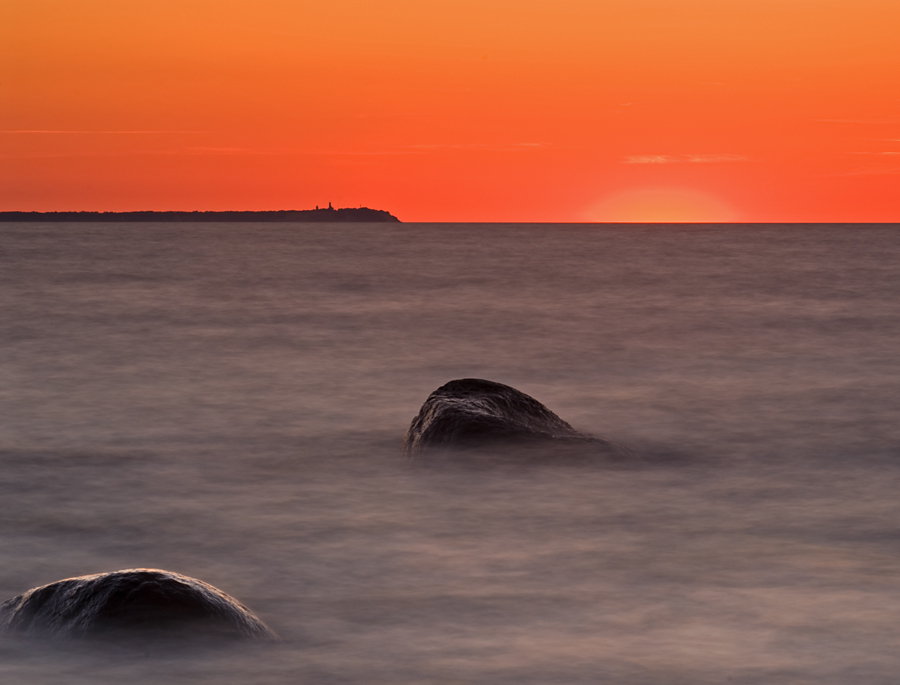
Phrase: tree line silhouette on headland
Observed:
(329, 215)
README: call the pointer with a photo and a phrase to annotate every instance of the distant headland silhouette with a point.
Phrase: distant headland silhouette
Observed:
(327, 214)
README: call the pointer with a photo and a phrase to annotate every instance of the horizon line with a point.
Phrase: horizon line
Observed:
(10, 215)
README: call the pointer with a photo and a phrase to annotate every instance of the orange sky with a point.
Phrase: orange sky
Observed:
(463, 110)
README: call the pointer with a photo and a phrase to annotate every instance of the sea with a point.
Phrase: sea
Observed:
(228, 401)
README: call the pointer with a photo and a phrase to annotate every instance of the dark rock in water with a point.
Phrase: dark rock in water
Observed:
(475, 413)
(132, 603)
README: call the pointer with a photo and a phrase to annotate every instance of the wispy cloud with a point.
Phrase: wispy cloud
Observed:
(683, 159)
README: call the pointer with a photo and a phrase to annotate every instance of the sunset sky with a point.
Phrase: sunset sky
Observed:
(462, 110)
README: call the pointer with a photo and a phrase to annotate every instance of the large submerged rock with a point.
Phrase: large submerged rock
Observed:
(474, 413)
(126, 604)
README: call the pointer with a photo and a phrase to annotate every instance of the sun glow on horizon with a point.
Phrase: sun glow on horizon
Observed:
(661, 205)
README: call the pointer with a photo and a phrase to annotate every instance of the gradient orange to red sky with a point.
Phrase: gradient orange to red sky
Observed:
(463, 110)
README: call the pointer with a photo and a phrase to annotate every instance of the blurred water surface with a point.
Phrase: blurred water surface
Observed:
(227, 401)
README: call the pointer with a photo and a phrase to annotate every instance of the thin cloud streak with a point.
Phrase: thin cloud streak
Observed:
(684, 159)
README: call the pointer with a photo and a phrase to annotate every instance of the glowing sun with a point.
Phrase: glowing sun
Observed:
(661, 205)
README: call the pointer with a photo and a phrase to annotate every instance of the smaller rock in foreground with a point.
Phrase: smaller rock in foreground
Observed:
(131, 603)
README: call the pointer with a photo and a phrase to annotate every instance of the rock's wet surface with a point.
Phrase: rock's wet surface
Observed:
(129, 603)
(472, 413)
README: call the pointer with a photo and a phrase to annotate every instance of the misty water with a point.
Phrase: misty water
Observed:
(228, 402)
